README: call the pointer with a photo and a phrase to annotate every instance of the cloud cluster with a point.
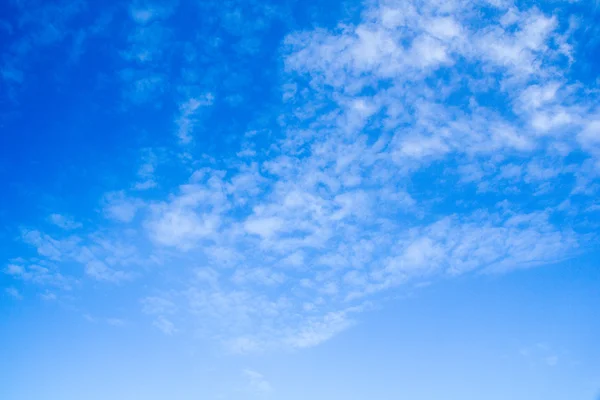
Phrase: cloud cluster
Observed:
(428, 140)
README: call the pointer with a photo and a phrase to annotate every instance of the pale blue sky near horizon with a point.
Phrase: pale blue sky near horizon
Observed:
(282, 199)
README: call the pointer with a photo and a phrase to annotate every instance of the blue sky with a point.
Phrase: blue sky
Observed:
(289, 200)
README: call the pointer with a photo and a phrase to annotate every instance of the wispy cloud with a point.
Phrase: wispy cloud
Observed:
(419, 142)
(257, 383)
(64, 222)
(14, 293)
(187, 121)
(146, 172)
(117, 206)
(165, 326)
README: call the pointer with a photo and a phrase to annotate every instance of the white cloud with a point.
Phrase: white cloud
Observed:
(420, 255)
(195, 213)
(64, 222)
(257, 383)
(429, 51)
(181, 227)
(142, 16)
(206, 275)
(165, 326)
(444, 28)
(392, 128)
(117, 206)
(14, 293)
(144, 13)
(15, 270)
(264, 227)
(319, 330)
(98, 270)
(188, 118)
(145, 185)
(146, 171)
(39, 275)
(49, 247)
(589, 137)
(158, 305)
(142, 86)
(48, 296)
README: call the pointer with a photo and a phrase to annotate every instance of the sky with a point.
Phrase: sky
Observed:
(316, 199)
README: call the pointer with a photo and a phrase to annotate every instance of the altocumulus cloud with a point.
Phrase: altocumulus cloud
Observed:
(427, 139)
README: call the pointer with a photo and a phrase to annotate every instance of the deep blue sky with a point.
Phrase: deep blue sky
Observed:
(289, 200)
